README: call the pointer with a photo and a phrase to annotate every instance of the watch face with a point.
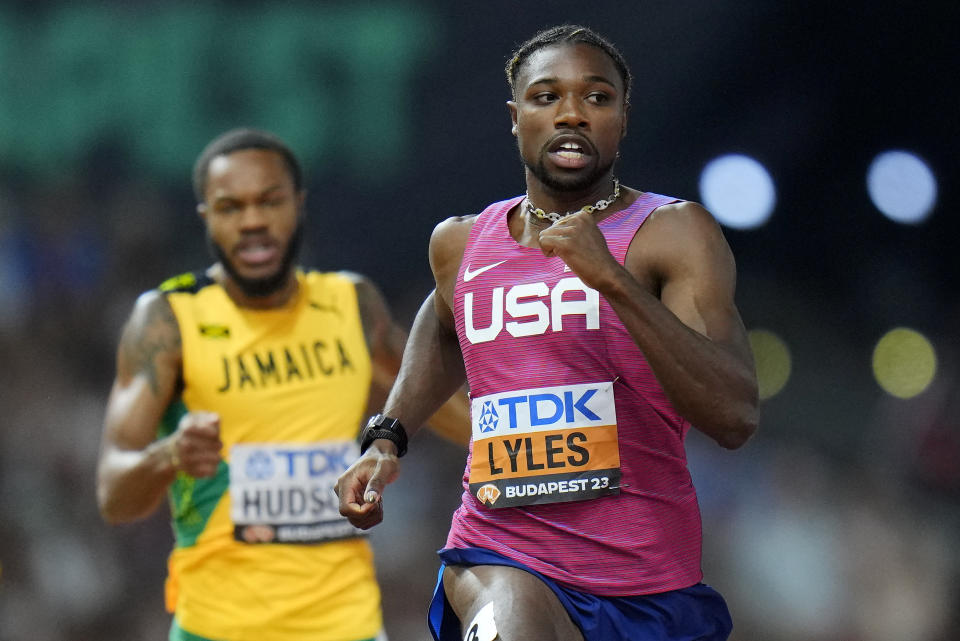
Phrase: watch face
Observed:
(383, 422)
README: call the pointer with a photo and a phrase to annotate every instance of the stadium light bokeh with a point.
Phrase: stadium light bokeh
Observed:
(738, 190)
(902, 186)
(773, 361)
(904, 362)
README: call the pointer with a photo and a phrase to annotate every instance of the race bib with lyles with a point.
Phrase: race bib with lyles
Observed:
(545, 445)
(283, 493)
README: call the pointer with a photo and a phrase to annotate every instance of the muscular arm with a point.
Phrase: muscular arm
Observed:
(692, 335)
(433, 362)
(388, 343)
(432, 369)
(134, 470)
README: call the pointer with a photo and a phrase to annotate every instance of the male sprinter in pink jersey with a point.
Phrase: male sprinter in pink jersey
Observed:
(595, 324)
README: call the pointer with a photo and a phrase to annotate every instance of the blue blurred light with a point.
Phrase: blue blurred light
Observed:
(902, 186)
(738, 191)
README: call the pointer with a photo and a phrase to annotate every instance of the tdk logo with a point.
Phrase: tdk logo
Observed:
(316, 462)
(488, 417)
(542, 409)
(259, 466)
(297, 462)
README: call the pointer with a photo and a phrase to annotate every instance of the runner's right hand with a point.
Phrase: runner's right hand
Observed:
(195, 447)
(360, 488)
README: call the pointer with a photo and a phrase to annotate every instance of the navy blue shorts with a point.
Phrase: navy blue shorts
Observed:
(697, 613)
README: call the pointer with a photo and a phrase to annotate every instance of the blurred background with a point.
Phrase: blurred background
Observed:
(822, 135)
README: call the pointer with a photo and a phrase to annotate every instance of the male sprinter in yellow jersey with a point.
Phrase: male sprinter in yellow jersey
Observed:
(240, 392)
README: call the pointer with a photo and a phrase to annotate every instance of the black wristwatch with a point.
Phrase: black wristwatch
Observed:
(380, 426)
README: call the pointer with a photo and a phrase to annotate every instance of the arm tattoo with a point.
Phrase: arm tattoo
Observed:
(158, 334)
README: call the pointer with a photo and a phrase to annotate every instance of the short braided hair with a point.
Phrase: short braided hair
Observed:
(568, 34)
(238, 140)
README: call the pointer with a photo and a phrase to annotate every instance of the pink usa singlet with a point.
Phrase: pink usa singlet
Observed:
(577, 467)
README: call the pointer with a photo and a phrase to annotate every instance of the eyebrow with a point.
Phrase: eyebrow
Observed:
(550, 80)
(232, 197)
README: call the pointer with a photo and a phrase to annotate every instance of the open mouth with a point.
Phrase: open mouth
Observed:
(570, 150)
(570, 154)
(255, 253)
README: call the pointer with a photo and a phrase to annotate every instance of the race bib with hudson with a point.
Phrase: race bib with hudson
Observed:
(283, 493)
(545, 445)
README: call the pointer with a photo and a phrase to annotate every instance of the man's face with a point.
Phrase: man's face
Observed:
(569, 115)
(253, 218)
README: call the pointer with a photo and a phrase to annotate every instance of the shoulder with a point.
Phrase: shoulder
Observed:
(680, 239)
(453, 228)
(370, 299)
(448, 240)
(683, 224)
(450, 236)
(188, 282)
(150, 306)
(358, 280)
(151, 331)
(376, 318)
(682, 215)
(330, 281)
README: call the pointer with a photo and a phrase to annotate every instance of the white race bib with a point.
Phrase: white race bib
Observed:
(283, 492)
(545, 445)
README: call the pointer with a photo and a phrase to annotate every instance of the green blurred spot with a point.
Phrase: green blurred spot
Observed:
(772, 357)
(904, 362)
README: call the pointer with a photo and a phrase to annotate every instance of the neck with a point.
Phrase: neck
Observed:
(600, 196)
(277, 298)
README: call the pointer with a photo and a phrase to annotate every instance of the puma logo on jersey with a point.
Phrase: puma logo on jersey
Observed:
(533, 308)
(332, 309)
(470, 275)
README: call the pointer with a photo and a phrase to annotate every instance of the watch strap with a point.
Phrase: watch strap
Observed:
(385, 427)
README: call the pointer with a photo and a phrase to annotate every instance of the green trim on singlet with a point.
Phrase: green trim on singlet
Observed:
(192, 500)
(179, 634)
(190, 282)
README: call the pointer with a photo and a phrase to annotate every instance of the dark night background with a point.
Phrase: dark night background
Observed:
(838, 521)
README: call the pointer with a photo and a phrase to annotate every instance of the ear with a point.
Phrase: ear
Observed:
(623, 123)
(512, 106)
(301, 201)
(202, 211)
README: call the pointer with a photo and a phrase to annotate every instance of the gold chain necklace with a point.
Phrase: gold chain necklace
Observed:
(553, 216)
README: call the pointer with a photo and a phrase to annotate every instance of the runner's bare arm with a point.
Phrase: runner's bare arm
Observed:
(433, 362)
(134, 470)
(431, 370)
(692, 335)
(387, 342)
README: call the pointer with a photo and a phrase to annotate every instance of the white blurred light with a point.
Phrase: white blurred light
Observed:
(738, 190)
(902, 186)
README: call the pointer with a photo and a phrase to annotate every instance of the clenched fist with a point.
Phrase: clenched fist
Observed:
(195, 447)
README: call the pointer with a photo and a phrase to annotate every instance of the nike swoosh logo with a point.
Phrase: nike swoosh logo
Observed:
(470, 275)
